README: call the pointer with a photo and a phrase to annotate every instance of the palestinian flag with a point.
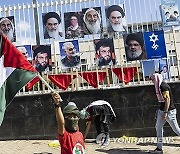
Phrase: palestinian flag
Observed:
(15, 72)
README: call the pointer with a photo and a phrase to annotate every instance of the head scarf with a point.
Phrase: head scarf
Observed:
(4, 18)
(88, 10)
(71, 124)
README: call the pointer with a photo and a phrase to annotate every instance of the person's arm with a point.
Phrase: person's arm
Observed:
(88, 126)
(59, 115)
(167, 103)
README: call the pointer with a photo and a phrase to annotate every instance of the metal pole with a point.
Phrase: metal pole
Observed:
(44, 81)
(36, 22)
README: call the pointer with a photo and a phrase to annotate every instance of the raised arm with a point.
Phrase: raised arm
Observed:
(59, 115)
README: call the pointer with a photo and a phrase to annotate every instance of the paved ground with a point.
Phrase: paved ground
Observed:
(117, 146)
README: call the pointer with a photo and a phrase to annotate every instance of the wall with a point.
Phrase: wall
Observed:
(33, 117)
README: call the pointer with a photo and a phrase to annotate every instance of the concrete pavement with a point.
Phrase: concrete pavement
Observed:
(123, 145)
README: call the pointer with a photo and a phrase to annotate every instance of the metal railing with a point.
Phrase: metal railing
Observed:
(141, 16)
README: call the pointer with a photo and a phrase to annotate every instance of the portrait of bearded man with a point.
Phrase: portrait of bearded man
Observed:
(134, 46)
(8, 28)
(116, 19)
(70, 53)
(52, 25)
(92, 22)
(42, 58)
(105, 54)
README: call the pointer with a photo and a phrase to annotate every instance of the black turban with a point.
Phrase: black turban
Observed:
(114, 8)
(105, 43)
(136, 37)
(42, 49)
(51, 15)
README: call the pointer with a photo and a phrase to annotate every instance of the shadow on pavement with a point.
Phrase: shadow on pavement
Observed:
(43, 153)
(123, 151)
(90, 141)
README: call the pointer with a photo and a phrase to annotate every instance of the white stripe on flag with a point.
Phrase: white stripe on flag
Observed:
(5, 72)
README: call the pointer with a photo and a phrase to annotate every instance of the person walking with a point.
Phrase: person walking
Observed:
(166, 110)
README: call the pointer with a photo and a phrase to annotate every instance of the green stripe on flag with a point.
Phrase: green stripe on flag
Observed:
(2, 103)
(18, 79)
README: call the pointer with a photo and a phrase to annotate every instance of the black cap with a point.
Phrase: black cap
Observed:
(51, 15)
(114, 8)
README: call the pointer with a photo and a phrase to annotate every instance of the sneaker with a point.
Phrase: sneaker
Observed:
(106, 141)
(157, 150)
(100, 138)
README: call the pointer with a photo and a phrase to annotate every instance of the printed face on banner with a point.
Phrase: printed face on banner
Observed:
(105, 54)
(169, 12)
(116, 19)
(52, 25)
(92, 20)
(155, 44)
(164, 69)
(69, 52)
(8, 27)
(42, 57)
(73, 25)
(26, 51)
(156, 65)
(134, 46)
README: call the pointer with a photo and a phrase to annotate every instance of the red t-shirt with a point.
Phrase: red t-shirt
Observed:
(71, 142)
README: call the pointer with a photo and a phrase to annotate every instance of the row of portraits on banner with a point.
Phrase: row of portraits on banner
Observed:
(88, 21)
(76, 24)
(138, 46)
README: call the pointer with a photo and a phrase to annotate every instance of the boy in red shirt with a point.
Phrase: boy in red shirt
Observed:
(70, 138)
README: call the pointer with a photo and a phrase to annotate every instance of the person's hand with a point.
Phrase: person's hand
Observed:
(164, 115)
(56, 97)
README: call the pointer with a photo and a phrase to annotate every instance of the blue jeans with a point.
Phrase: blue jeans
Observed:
(171, 119)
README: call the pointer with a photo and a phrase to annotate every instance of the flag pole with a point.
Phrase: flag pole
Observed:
(44, 81)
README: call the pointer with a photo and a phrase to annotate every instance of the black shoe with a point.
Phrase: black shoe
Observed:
(157, 150)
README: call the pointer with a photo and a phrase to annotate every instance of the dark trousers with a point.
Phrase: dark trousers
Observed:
(98, 123)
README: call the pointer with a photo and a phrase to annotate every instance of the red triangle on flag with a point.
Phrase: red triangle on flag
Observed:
(13, 57)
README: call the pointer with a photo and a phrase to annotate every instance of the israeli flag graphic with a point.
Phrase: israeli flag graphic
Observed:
(155, 44)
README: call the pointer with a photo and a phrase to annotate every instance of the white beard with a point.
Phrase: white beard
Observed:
(9, 35)
(93, 28)
(53, 34)
(135, 54)
(117, 27)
